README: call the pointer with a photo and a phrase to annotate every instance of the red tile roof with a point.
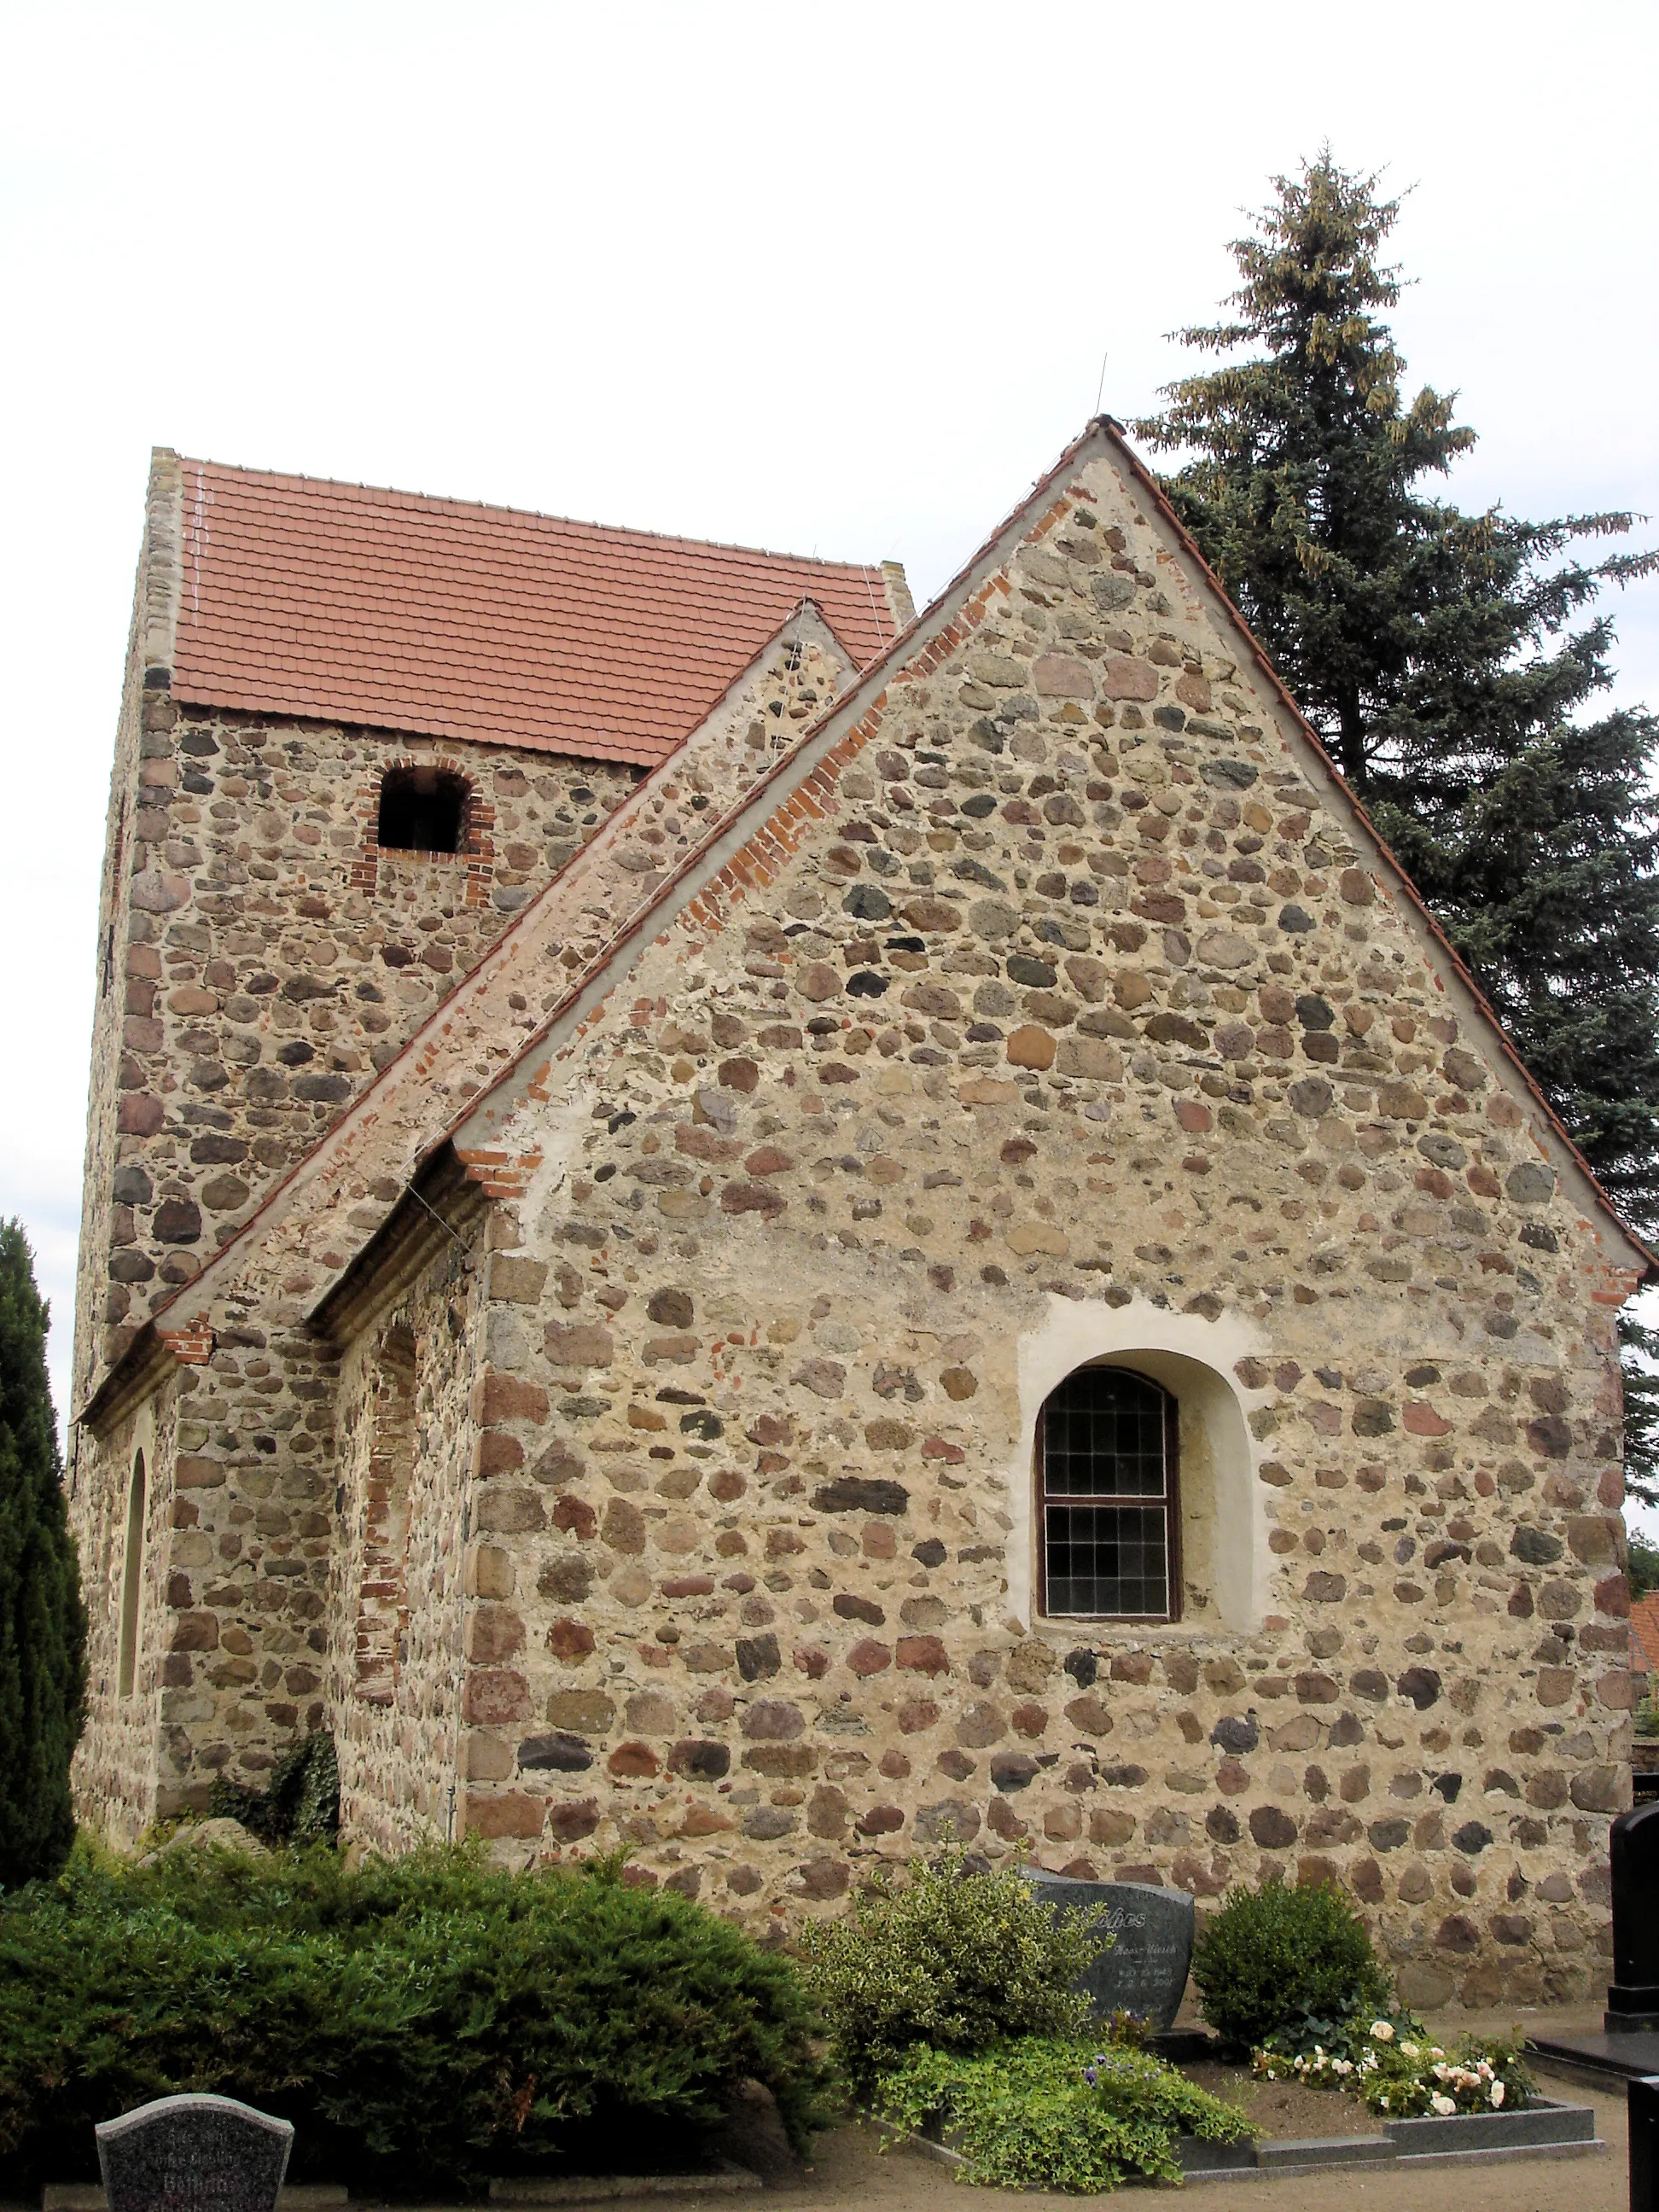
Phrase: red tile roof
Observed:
(1644, 1635)
(343, 602)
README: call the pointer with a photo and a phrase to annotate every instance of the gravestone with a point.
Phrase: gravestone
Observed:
(1143, 1968)
(194, 2154)
(1633, 1993)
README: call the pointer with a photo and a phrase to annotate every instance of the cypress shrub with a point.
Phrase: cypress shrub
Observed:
(424, 2021)
(43, 1626)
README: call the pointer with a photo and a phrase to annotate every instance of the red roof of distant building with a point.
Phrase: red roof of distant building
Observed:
(1644, 1635)
(340, 602)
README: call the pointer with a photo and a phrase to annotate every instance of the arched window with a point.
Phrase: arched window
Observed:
(132, 1579)
(422, 810)
(1109, 1520)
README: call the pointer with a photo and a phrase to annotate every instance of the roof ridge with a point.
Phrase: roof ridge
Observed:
(454, 503)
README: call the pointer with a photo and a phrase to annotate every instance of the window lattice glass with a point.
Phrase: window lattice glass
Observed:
(1106, 1495)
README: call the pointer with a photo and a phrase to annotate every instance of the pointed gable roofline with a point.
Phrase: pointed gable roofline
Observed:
(745, 839)
(794, 771)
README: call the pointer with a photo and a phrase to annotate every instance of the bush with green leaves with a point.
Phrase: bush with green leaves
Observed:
(428, 2019)
(1067, 2115)
(301, 1806)
(1288, 1964)
(957, 1961)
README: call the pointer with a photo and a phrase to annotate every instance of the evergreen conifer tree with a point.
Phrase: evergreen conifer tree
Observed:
(42, 1620)
(1450, 662)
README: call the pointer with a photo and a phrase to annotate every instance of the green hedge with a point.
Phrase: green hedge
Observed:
(426, 2018)
(1286, 1963)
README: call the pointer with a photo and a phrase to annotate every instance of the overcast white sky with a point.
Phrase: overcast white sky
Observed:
(824, 278)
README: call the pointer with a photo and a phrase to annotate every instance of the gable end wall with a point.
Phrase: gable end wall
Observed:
(1123, 1047)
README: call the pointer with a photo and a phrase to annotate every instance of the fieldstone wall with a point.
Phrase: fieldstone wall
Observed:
(233, 1645)
(275, 959)
(1062, 999)
(121, 1741)
(149, 638)
(396, 1597)
(247, 1540)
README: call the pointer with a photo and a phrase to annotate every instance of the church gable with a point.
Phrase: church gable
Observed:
(1093, 741)
(1057, 1013)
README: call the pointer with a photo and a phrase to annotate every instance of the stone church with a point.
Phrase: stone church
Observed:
(724, 1219)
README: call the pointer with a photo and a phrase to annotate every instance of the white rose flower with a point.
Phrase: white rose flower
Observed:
(1382, 2030)
(1443, 2106)
(1497, 2094)
(1408, 2049)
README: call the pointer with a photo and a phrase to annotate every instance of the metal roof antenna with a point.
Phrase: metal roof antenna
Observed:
(1100, 389)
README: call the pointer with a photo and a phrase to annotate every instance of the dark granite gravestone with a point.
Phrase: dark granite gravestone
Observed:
(1633, 1995)
(194, 2154)
(1642, 2099)
(1143, 1970)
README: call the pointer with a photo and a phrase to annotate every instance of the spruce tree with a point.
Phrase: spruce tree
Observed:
(42, 1622)
(1451, 663)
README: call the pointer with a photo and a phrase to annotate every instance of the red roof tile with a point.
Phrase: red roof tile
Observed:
(342, 602)
(1644, 1635)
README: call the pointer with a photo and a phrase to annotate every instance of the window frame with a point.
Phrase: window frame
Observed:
(448, 781)
(1171, 1503)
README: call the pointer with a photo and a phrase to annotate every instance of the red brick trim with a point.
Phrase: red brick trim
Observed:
(192, 1345)
(477, 846)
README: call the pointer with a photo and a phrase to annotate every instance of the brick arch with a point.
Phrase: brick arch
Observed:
(476, 850)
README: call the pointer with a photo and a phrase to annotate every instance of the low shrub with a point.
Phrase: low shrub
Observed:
(1291, 1961)
(428, 2018)
(301, 1806)
(955, 1960)
(1038, 2114)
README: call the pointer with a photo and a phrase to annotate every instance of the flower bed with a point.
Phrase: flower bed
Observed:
(1402, 2072)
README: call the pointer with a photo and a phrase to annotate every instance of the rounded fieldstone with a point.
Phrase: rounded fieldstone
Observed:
(1272, 1828)
(768, 1822)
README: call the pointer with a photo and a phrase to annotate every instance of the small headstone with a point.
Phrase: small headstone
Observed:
(1143, 1970)
(1633, 1993)
(194, 2154)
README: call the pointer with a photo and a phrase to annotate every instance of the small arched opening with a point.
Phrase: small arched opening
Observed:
(422, 810)
(132, 1578)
